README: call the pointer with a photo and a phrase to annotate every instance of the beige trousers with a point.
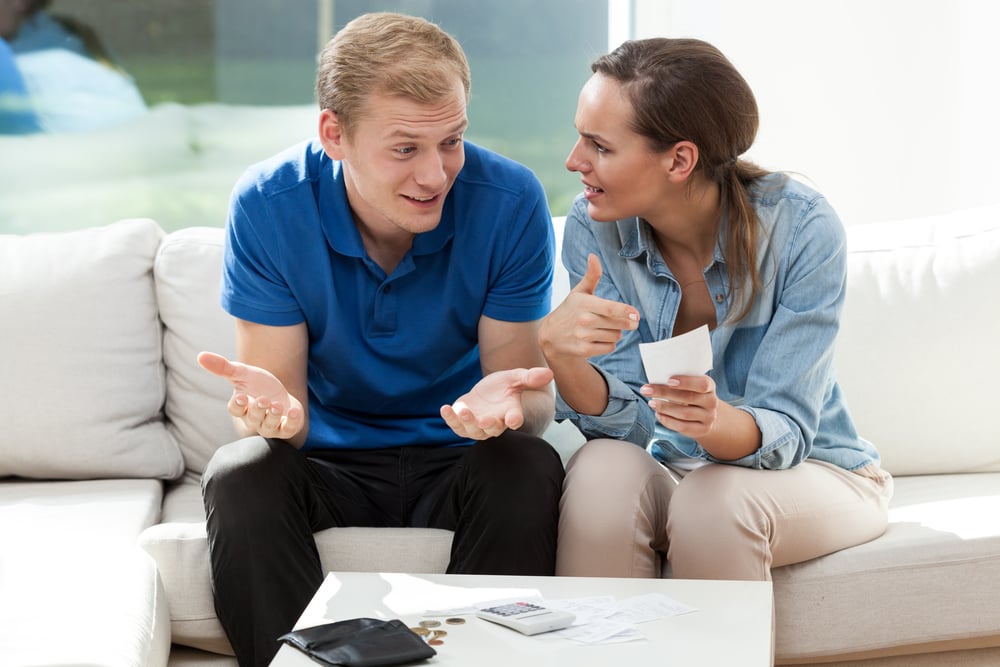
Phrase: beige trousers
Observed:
(622, 513)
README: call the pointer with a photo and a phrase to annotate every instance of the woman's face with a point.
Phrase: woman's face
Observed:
(622, 176)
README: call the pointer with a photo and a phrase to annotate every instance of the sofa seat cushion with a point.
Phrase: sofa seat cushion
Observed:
(83, 607)
(74, 588)
(929, 580)
(72, 515)
(180, 548)
(83, 380)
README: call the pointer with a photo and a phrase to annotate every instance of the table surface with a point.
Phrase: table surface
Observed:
(732, 623)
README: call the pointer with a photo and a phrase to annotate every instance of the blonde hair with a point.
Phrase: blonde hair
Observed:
(390, 54)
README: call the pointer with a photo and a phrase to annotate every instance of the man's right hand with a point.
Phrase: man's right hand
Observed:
(260, 403)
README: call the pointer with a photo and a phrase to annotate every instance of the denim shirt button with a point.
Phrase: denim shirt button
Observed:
(719, 298)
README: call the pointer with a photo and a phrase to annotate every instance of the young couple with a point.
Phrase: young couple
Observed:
(396, 351)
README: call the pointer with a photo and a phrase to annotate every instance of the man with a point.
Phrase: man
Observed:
(388, 280)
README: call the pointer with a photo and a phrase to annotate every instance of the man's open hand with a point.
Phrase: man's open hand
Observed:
(494, 404)
(259, 400)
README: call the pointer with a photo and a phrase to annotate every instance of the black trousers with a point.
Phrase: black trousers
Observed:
(264, 499)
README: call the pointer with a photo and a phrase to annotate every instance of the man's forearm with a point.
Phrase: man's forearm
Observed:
(538, 406)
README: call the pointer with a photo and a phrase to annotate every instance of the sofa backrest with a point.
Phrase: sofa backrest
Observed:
(81, 377)
(916, 354)
(188, 271)
(99, 378)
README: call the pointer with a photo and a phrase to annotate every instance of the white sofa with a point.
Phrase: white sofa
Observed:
(109, 422)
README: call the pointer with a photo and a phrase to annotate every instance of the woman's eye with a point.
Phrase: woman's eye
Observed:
(599, 148)
(405, 150)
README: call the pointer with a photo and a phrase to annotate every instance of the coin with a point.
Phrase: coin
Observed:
(435, 642)
(429, 623)
(437, 634)
(454, 621)
(423, 632)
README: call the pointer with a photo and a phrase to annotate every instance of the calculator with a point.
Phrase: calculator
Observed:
(527, 618)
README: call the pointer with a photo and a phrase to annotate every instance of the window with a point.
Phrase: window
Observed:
(160, 105)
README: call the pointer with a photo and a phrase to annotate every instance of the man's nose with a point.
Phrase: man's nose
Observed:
(430, 172)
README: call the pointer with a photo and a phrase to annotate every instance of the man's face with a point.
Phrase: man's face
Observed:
(400, 160)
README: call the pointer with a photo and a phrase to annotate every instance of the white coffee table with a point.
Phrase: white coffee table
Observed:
(732, 624)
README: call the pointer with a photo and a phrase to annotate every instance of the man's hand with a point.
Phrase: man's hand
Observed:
(259, 402)
(585, 325)
(494, 404)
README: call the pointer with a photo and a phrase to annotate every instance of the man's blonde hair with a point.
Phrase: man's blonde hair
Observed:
(389, 54)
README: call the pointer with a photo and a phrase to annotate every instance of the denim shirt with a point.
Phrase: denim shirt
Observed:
(775, 363)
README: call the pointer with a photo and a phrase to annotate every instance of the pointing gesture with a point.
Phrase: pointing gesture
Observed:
(585, 325)
(588, 284)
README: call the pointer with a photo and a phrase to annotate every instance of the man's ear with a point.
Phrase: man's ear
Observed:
(331, 134)
(680, 161)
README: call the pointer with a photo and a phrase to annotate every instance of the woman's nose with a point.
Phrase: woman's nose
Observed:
(573, 162)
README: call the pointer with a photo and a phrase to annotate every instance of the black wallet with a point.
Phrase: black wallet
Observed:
(360, 642)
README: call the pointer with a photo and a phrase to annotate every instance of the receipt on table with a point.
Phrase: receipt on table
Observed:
(687, 354)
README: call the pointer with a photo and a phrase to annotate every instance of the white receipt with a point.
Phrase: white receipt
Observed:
(687, 354)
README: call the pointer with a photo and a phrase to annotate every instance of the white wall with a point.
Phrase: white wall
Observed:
(889, 107)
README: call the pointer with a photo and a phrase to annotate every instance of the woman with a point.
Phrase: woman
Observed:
(757, 464)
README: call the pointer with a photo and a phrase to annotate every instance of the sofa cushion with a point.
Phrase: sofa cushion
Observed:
(928, 580)
(74, 588)
(916, 354)
(83, 381)
(90, 607)
(75, 514)
(188, 272)
(180, 548)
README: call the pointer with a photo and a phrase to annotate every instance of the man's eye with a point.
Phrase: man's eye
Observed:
(405, 150)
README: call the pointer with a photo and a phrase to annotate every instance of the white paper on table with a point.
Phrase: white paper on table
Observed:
(687, 354)
(586, 609)
(600, 632)
(649, 607)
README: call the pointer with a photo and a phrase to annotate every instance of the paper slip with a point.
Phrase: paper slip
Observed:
(649, 607)
(600, 632)
(687, 354)
(602, 620)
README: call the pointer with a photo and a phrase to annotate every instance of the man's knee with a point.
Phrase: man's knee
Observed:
(246, 468)
(514, 477)
(513, 457)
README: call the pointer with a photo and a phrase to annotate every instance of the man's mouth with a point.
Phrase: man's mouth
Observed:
(422, 200)
(590, 189)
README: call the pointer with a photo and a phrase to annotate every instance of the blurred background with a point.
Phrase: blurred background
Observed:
(117, 108)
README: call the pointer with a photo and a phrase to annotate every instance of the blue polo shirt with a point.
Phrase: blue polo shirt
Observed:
(386, 351)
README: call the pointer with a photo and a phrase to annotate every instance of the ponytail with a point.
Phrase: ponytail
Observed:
(741, 235)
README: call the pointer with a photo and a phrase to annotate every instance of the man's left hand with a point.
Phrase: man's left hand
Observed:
(494, 404)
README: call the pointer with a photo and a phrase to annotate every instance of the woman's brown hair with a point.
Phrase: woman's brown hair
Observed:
(687, 90)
